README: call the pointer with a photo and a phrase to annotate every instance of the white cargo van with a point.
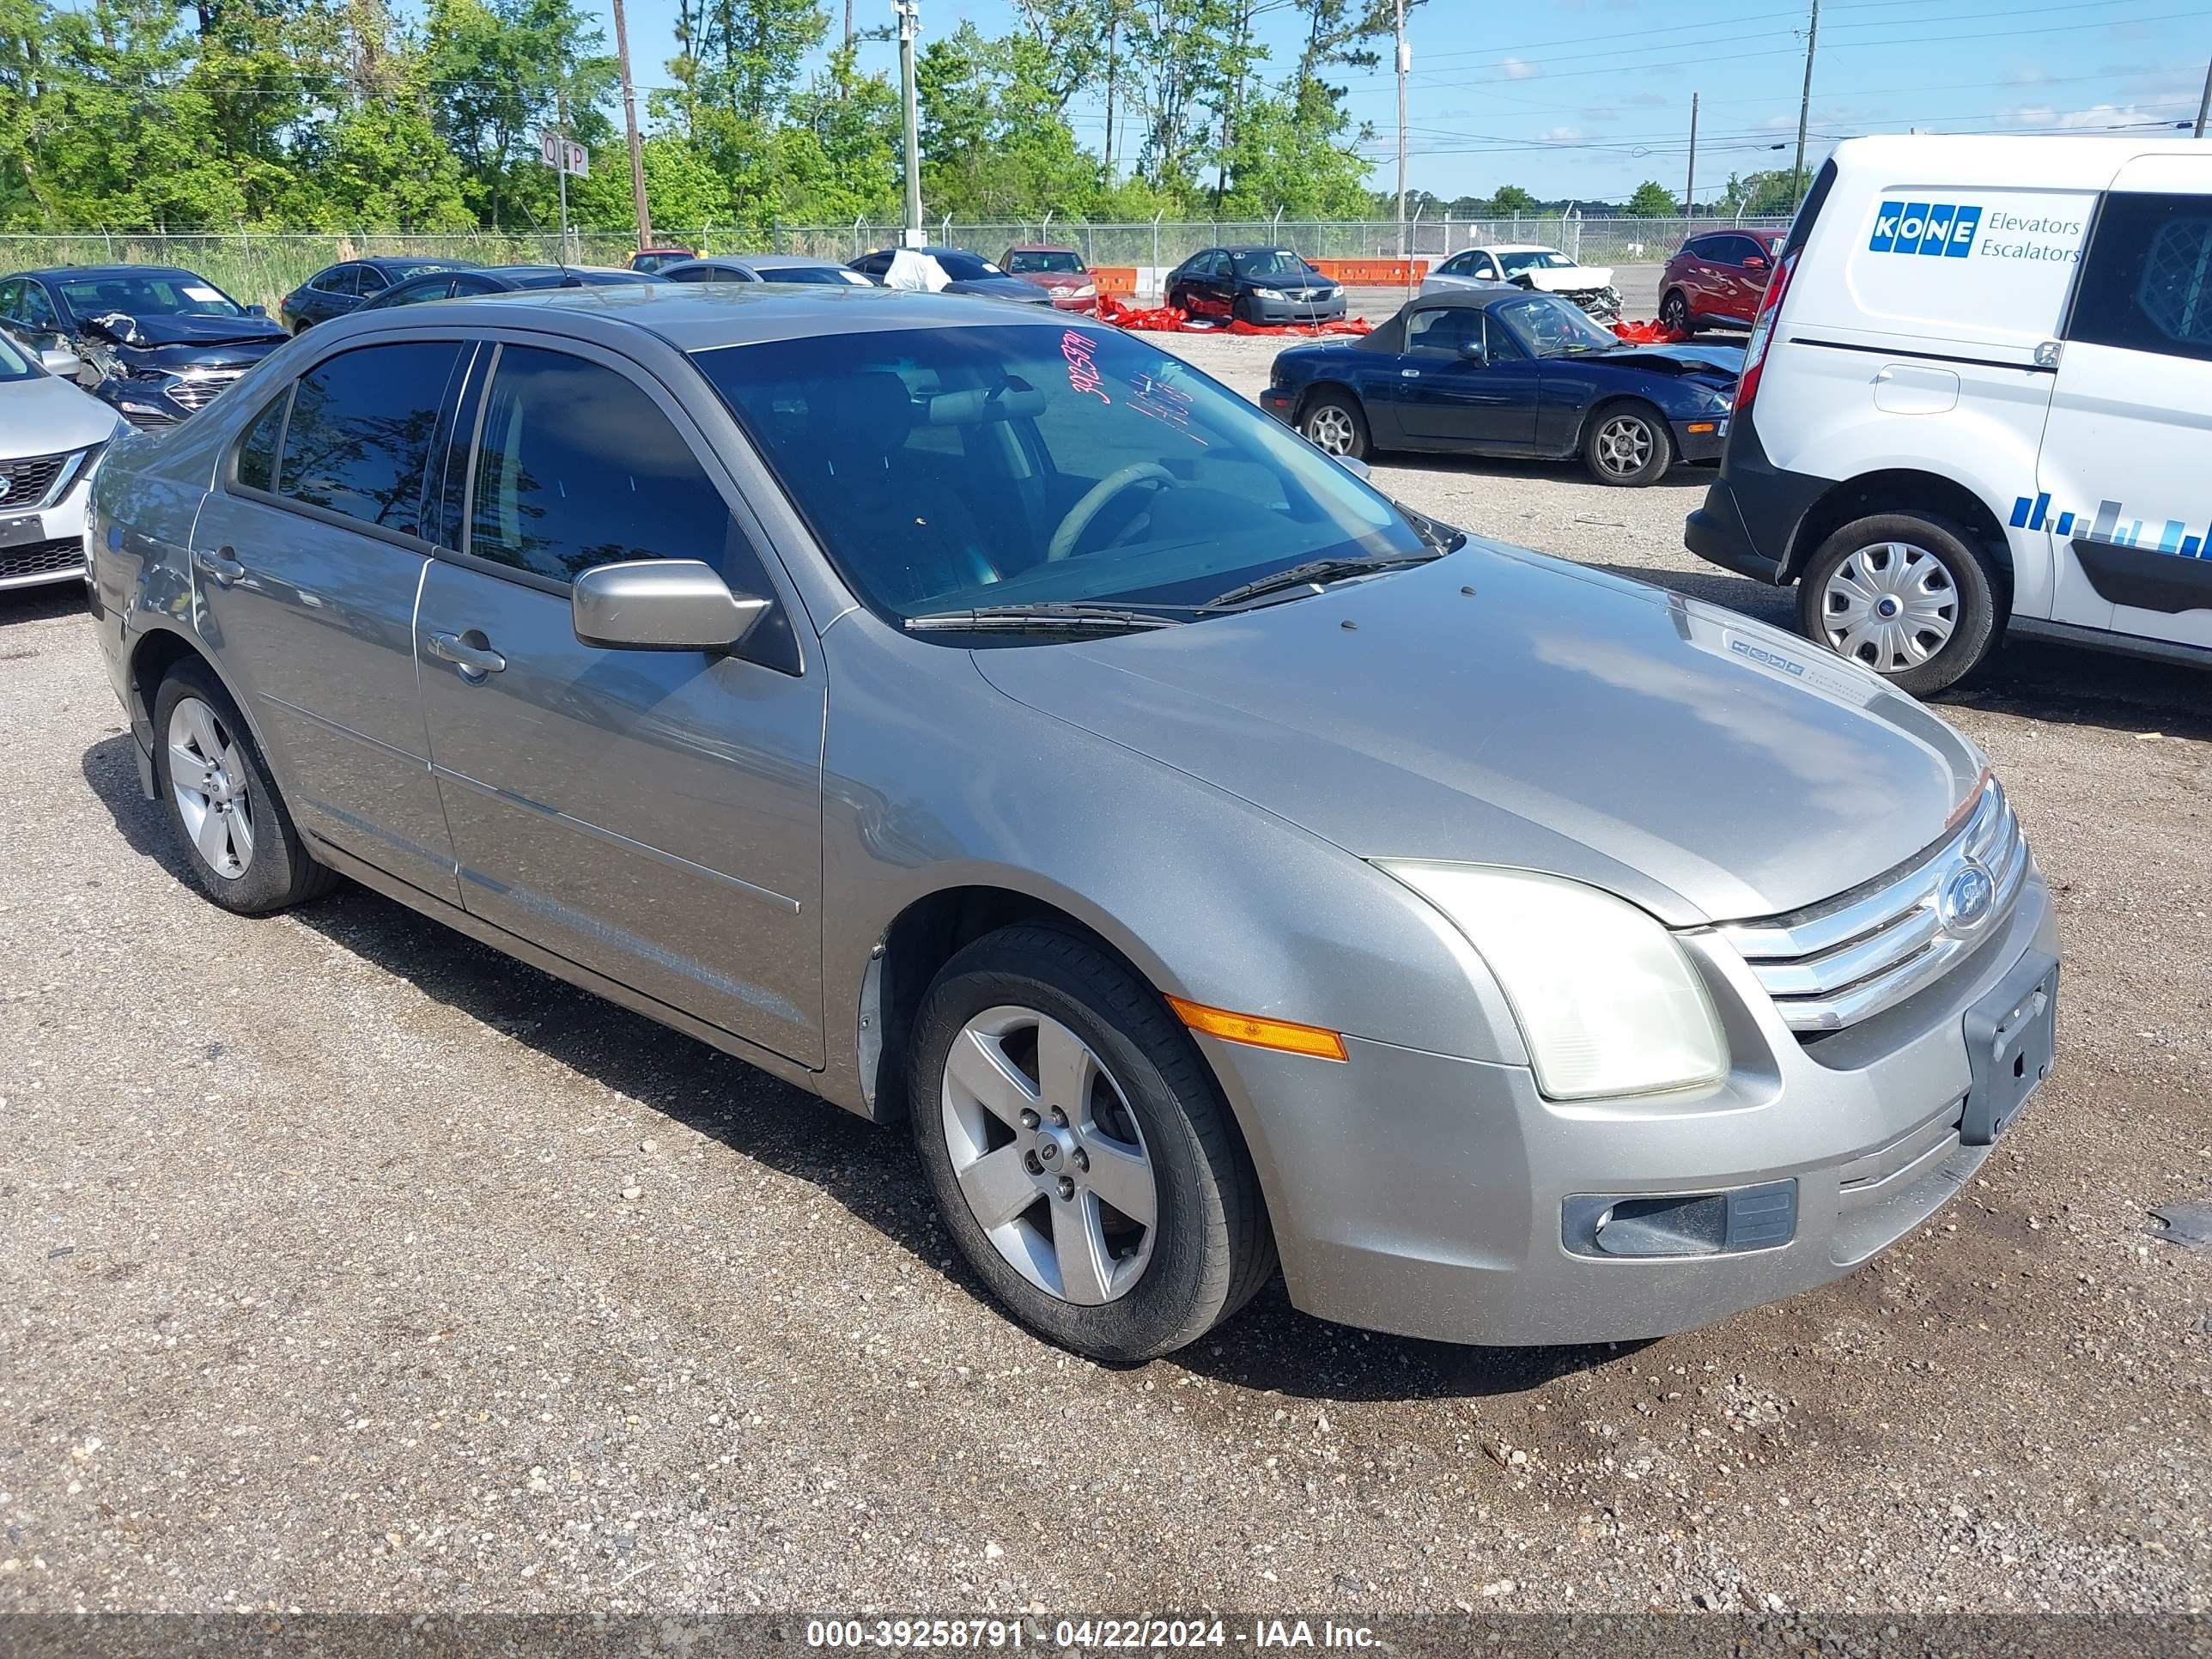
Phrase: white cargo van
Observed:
(1979, 396)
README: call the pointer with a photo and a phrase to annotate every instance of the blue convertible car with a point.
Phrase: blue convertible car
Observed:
(1510, 373)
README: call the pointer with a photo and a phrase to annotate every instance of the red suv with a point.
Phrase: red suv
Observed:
(1717, 279)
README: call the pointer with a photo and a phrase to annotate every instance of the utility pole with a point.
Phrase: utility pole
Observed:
(848, 25)
(1112, 30)
(909, 21)
(1405, 63)
(1804, 109)
(560, 172)
(629, 126)
(1690, 184)
(2203, 104)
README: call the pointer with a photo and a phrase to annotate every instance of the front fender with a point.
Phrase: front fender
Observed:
(934, 780)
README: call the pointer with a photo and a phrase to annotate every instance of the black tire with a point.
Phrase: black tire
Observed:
(1179, 299)
(1674, 313)
(1604, 433)
(1245, 309)
(1347, 405)
(279, 872)
(1211, 1249)
(1878, 543)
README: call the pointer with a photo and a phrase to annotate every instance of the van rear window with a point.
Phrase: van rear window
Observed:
(1809, 208)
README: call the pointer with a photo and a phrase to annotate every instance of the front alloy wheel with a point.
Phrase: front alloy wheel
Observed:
(1080, 1150)
(1049, 1155)
(1628, 446)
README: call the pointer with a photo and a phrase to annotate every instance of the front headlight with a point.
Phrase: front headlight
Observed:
(1087, 290)
(1605, 1000)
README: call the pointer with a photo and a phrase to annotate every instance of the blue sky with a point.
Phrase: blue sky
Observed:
(1590, 97)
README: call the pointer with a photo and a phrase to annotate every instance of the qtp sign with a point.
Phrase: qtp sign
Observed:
(564, 155)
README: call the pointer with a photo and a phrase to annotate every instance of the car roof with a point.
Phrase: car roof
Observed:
(1254, 247)
(54, 273)
(1516, 247)
(701, 316)
(385, 261)
(1039, 247)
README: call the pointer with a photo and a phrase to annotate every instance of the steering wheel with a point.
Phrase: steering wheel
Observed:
(1094, 501)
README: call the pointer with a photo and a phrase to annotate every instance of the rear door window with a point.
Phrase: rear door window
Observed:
(339, 279)
(2146, 281)
(257, 450)
(359, 439)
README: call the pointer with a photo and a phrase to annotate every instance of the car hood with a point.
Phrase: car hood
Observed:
(1555, 718)
(185, 329)
(1055, 279)
(48, 416)
(1571, 281)
(1716, 365)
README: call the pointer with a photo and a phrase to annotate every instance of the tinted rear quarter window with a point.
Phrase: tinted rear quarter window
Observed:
(359, 439)
(2146, 281)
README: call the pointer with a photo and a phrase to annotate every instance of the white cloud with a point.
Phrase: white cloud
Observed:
(1517, 68)
(1563, 136)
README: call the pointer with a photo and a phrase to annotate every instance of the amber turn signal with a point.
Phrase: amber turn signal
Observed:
(1252, 1029)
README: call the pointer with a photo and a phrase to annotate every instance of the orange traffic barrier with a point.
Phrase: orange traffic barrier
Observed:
(1115, 279)
(1373, 273)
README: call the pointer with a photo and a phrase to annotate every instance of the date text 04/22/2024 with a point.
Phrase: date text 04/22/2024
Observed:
(1083, 1634)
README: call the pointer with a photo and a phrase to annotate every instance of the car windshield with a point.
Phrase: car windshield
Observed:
(966, 267)
(1552, 327)
(17, 364)
(946, 469)
(1540, 259)
(139, 293)
(1273, 262)
(1023, 260)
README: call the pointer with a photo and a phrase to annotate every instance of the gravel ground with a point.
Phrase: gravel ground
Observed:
(348, 1265)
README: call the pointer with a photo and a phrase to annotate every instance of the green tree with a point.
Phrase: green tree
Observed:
(1651, 201)
(1510, 199)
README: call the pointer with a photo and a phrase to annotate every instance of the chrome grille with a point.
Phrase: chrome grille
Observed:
(1835, 963)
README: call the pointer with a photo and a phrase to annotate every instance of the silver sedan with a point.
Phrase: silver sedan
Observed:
(982, 719)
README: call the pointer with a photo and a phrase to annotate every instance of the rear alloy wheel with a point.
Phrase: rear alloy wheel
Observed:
(1903, 595)
(1674, 313)
(1335, 425)
(1080, 1152)
(1628, 445)
(239, 843)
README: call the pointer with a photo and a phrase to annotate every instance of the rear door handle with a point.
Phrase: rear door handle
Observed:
(221, 566)
(474, 662)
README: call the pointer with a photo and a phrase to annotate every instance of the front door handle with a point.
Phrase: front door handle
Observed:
(474, 662)
(220, 566)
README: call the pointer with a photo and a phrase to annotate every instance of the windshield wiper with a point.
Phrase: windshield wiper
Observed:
(1074, 618)
(1312, 574)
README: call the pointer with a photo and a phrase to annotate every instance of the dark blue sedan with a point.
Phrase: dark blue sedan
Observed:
(1509, 373)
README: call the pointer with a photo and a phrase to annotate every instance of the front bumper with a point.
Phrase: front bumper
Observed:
(1086, 303)
(1700, 440)
(1268, 307)
(1437, 1198)
(45, 546)
(158, 403)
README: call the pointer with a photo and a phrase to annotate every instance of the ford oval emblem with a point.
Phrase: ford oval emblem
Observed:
(7, 483)
(1969, 893)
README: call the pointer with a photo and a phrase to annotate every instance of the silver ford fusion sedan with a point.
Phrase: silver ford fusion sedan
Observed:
(985, 719)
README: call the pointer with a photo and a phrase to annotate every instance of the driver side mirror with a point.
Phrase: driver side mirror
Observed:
(1471, 352)
(257, 311)
(60, 362)
(660, 605)
(1754, 262)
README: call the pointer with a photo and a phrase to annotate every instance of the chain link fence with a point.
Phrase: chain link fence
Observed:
(260, 267)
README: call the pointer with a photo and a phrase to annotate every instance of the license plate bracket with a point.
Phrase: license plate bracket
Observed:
(18, 533)
(2012, 1040)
